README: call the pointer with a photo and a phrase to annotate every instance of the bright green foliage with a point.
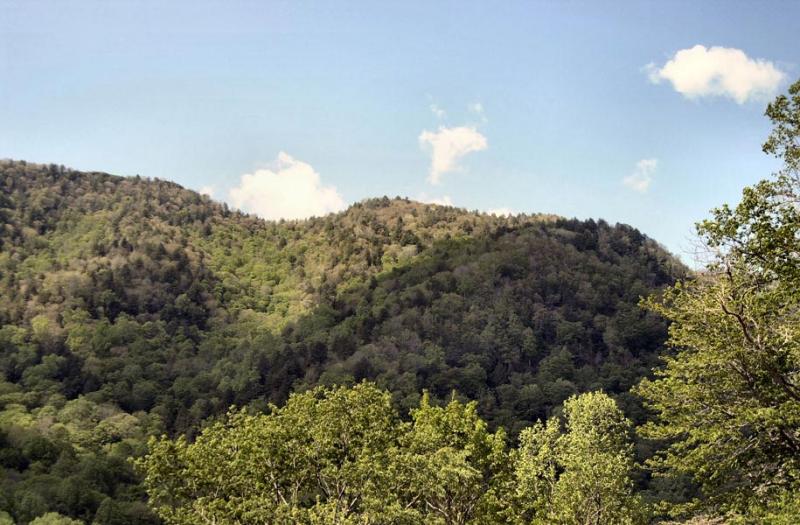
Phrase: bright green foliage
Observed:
(453, 466)
(580, 476)
(340, 456)
(132, 307)
(323, 458)
(332, 456)
(728, 401)
(54, 518)
(782, 508)
(783, 142)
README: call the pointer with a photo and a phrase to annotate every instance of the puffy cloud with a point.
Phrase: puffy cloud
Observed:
(207, 190)
(290, 189)
(718, 71)
(447, 146)
(642, 176)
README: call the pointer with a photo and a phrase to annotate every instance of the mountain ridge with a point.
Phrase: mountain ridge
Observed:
(147, 308)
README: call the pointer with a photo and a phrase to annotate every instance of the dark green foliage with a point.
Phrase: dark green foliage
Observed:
(519, 320)
(133, 306)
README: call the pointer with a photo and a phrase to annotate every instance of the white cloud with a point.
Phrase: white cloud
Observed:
(718, 71)
(476, 108)
(207, 190)
(642, 176)
(501, 212)
(290, 189)
(444, 200)
(447, 146)
(439, 112)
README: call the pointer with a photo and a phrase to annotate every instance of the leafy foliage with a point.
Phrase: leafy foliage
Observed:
(322, 457)
(454, 467)
(728, 402)
(133, 307)
(581, 475)
(342, 456)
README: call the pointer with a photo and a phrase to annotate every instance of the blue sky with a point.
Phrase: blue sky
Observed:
(291, 108)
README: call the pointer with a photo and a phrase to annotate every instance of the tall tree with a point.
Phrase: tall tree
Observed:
(319, 459)
(728, 400)
(334, 456)
(455, 468)
(581, 475)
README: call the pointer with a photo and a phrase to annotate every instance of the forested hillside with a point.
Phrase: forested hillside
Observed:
(133, 307)
(719, 442)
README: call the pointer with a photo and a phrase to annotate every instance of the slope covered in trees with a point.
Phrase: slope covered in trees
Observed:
(133, 307)
(723, 425)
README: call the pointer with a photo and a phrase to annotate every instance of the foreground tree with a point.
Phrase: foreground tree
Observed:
(317, 460)
(728, 400)
(579, 476)
(340, 456)
(455, 468)
(332, 456)
(53, 518)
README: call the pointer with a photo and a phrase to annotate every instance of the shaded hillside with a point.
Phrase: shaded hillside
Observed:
(139, 307)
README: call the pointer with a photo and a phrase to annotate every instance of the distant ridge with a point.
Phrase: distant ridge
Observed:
(144, 307)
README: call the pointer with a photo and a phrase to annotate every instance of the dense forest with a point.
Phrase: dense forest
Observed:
(134, 307)
(168, 360)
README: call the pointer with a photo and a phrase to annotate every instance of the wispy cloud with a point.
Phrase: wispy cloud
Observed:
(642, 176)
(207, 190)
(501, 212)
(718, 71)
(447, 146)
(444, 200)
(438, 112)
(289, 189)
(476, 108)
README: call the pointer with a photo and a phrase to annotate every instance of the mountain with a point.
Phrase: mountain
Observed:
(133, 307)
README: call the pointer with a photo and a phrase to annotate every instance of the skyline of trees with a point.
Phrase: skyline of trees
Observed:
(395, 363)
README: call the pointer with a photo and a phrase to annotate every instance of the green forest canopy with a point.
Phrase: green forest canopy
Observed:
(135, 308)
